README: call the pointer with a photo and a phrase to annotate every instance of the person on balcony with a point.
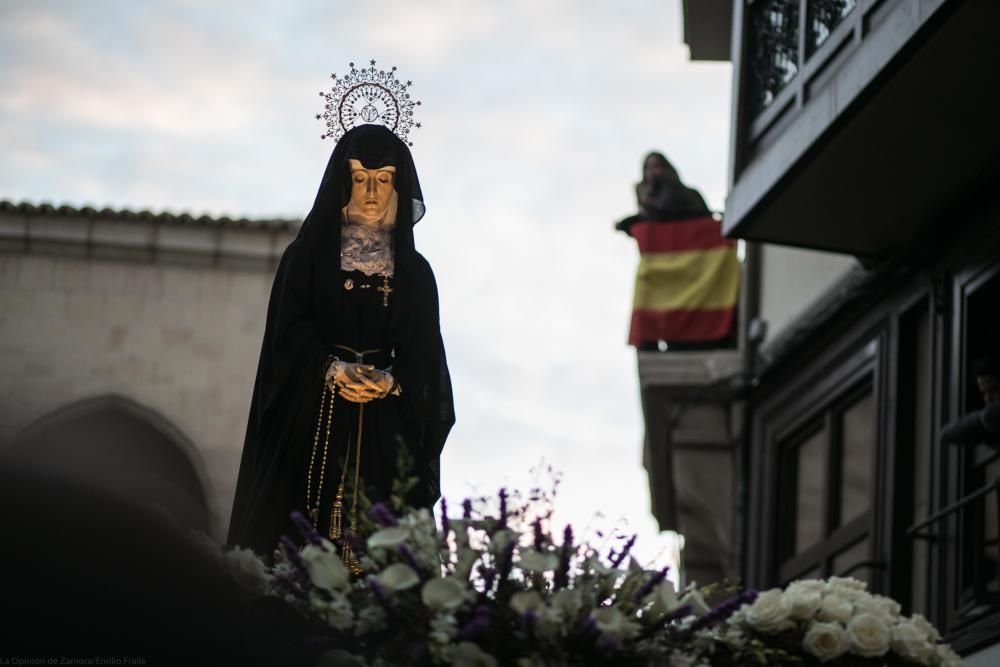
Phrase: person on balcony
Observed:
(688, 276)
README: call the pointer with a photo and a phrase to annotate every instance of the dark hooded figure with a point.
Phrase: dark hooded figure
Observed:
(661, 195)
(352, 365)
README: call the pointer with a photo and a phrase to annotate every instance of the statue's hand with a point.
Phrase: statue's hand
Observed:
(357, 383)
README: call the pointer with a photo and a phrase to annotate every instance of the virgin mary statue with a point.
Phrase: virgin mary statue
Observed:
(352, 366)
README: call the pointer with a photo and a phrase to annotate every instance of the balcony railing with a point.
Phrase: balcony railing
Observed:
(783, 35)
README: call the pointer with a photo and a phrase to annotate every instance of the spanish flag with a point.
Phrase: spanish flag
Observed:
(686, 285)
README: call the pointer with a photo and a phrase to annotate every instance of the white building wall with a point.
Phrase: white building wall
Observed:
(792, 279)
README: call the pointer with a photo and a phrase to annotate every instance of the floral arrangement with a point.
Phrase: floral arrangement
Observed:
(495, 587)
(834, 622)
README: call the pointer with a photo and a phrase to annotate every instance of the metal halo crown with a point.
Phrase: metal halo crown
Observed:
(368, 95)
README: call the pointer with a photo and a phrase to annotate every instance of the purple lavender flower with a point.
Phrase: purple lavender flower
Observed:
(467, 509)
(539, 536)
(608, 644)
(382, 515)
(292, 586)
(292, 553)
(503, 507)
(620, 556)
(478, 625)
(653, 581)
(506, 562)
(725, 610)
(445, 527)
(308, 531)
(562, 572)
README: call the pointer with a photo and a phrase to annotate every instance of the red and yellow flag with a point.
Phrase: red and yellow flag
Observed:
(686, 284)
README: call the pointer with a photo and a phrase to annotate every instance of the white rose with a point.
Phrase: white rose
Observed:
(946, 657)
(835, 607)
(879, 605)
(769, 612)
(811, 585)
(536, 561)
(910, 641)
(826, 641)
(445, 594)
(326, 570)
(612, 622)
(467, 654)
(848, 583)
(804, 599)
(932, 634)
(525, 601)
(869, 634)
(398, 577)
(246, 568)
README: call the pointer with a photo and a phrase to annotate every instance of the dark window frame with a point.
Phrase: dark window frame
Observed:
(836, 535)
(846, 378)
(967, 607)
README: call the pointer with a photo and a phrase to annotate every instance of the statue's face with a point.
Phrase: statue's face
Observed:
(371, 189)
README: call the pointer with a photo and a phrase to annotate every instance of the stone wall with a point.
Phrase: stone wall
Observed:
(180, 339)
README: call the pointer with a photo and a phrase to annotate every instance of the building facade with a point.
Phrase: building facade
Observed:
(129, 345)
(866, 128)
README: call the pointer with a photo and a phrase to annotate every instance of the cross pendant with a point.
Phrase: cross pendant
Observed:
(385, 289)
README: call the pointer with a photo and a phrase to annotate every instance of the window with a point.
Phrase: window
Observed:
(826, 482)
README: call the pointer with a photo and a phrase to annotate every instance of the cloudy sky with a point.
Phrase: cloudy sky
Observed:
(535, 114)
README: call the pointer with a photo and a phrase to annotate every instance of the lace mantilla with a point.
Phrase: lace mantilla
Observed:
(367, 249)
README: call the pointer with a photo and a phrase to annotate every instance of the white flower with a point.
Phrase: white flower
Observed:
(443, 628)
(804, 599)
(826, 641)
(946, 657)
(568, 601)
(337, 611)
(846, 583)
(398, 577)
(880, 606)
(868, 634)
(467, 654)
(769, 612)
(326, 569)
(835, 607)
(371, 618)
(929, 630)
(664, 598)
(443, 594)
(696, 601)
(910, 641)
(612, 622)
(246, 568)
(525, 601)
(387, 537)
(536, 561)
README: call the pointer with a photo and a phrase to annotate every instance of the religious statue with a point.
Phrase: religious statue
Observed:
(688, 276)
(352, 366)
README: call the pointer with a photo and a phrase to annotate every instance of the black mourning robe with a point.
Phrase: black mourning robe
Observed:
(310, 314)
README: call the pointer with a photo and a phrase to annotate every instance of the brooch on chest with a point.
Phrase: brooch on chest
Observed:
(386, 290)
